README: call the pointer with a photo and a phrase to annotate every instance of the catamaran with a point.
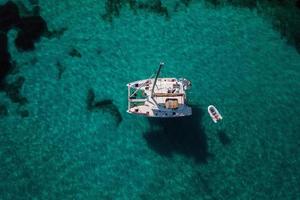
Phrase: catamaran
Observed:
(159, 97)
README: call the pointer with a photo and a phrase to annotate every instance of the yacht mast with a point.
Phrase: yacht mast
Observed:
(157, 74)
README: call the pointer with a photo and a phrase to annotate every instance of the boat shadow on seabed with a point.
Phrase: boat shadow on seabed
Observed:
(182, 135)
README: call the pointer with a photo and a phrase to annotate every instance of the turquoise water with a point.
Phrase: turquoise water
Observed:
(235, 61)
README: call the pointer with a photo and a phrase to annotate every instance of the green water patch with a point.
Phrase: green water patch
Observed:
(283, 14)
(223, 137)
(69, 148)
(35, 170)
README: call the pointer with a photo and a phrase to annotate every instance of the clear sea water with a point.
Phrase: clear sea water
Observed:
(235, 61)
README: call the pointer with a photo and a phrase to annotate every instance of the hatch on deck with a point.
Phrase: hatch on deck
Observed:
(171, 103)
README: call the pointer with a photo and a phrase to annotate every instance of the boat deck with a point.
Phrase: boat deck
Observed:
(168, 99)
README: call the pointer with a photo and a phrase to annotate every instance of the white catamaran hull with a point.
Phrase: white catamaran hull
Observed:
(158, 97)
(168, 99)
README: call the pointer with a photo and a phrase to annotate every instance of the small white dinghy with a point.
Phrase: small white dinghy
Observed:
(214, 113)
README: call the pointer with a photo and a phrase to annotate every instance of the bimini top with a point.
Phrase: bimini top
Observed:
(158, 97)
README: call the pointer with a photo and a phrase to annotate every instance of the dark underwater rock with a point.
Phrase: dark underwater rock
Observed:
(297, 42)
(24, 42)
(298, 4)
(90, 100)
(113, 7)
(31, 29)
(155, 7)
(13, 91)
(224, 139)
(108, 106)
(214, 2)
(55, 33)
(24, 11)
(105, 105)
(284, 14)
(178, 4)
(5, 65)
(9, 16)
(3, 110)
(24, 113)
(75, 53)
(60, 69)
(186, 2)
